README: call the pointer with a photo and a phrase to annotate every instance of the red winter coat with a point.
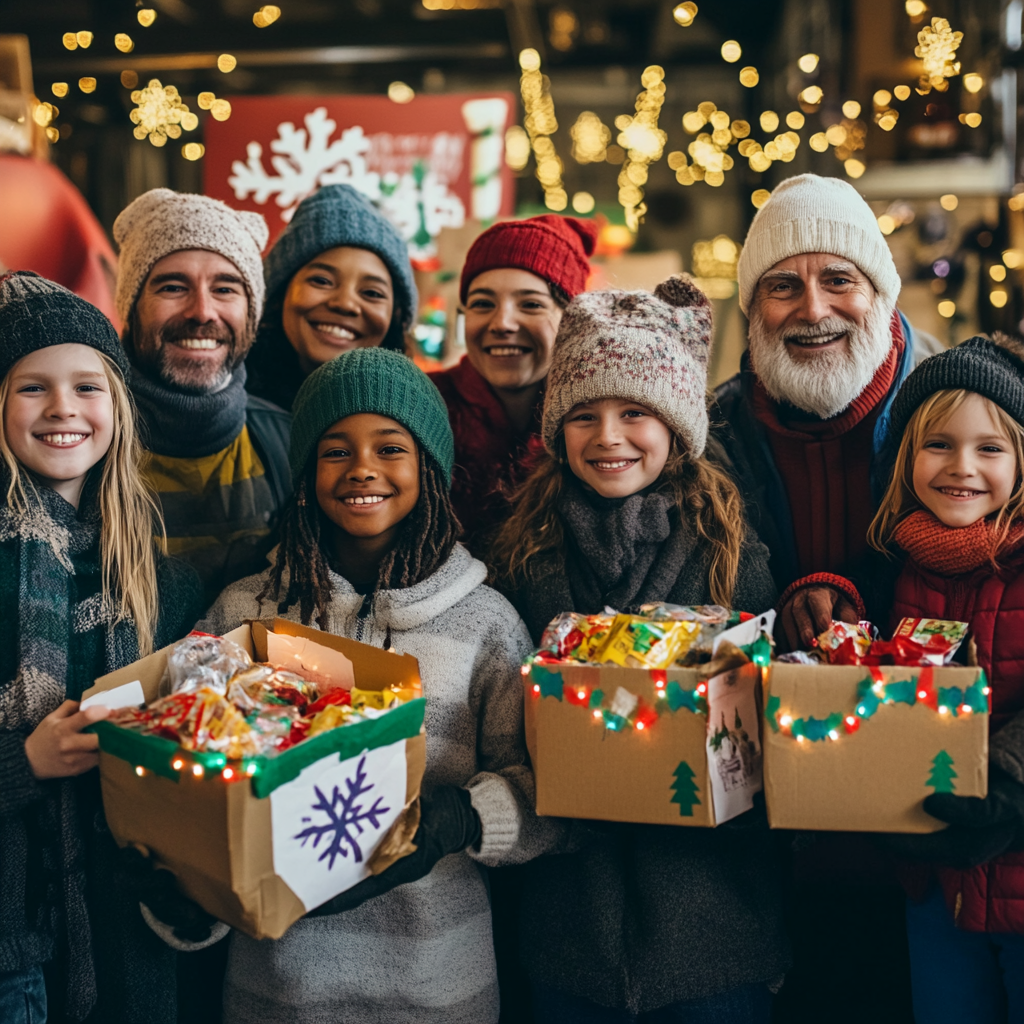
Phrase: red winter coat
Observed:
(491, 456)
(989, 898)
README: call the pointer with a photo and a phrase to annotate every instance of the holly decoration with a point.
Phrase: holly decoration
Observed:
(942, 776)
(685, 790)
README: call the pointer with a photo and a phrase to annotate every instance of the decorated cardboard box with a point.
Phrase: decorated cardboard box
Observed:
(261, 842)
(665, 747)
(857, 749)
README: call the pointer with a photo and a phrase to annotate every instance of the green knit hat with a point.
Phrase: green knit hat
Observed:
(370, 380)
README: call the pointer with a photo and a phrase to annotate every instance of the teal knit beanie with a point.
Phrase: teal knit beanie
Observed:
(370, 380)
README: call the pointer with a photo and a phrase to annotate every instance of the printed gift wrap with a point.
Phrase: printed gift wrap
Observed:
(259, 843)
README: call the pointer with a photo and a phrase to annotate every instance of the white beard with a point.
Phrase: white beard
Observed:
(827, 383)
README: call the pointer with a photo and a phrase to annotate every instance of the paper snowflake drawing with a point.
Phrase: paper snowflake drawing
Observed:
(344, 818)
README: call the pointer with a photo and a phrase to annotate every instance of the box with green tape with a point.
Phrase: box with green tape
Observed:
(259, 843)
(857, 749)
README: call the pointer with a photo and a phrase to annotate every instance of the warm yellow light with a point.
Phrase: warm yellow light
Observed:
(59, 89)
(769, 121)
(949, 201)
(693, 121)
(971, 120)
(129, 79)
(807, 63)
(818, 142)
(887, 224)
(123, 42)
(915, 8)
(583, 202)
(887, 121)
(731, 51)
(882, 98)
(997, 297)
(205, 100)
(226, 63)
(759, 197)
(399, 92)
(854, 168)
(997, 272)
(749, 77)
(946, 308)
(220, 109)
(902, 92)
(795, 119)
(529, 59)
(760, 162)
(87, 84)
(812, 95)
(973, 82)
(1013, 258)
(517, 147)
(556, 199)
(193, 150)
(197, 770)
(84, 39)
(70, 41)
(851, 109)
(146, 16)
(685, 13)
(266, 15)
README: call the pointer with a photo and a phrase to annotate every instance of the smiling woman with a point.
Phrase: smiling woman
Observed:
(338, 278)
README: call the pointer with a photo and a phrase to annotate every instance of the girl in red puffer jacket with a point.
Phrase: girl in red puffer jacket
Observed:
(952, 524)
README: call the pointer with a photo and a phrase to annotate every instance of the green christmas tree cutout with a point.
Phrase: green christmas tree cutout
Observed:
(942, 776)
(685, 790)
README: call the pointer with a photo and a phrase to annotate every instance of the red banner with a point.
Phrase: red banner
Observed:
(432, 163)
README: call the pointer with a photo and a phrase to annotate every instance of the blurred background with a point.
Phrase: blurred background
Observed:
(669, 122)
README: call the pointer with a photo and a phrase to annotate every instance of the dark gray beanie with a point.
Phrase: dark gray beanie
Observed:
(333, 216)
(36, 313)
(993, 369)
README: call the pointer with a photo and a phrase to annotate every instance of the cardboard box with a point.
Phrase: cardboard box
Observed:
(857, 749)
(686, 753)
(258, 851)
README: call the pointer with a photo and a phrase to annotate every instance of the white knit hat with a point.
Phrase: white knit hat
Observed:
(162, 221)
(812, 214)
(651, 349)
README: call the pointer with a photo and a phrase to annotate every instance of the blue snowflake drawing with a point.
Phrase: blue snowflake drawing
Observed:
(344, 814)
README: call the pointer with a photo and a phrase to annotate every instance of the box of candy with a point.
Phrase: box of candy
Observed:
(269, 769)
(647, 718)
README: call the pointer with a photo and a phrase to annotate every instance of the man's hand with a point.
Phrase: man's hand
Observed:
(810, 611)
(58, 748)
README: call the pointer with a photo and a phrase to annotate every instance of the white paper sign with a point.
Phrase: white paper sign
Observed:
(328, 821)
(734, 748)
(127, 695)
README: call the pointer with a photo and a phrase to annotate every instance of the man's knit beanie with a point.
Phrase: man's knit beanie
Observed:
(808, 214)
(644, 348)
(338, 215)
(372, 380)
(552, 247)
(36, 313)
(993, 369)
(162, 221)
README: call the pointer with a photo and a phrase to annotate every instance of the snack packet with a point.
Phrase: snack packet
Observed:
(939, 638)
(844, 644)
(637, 641)
(203, 661)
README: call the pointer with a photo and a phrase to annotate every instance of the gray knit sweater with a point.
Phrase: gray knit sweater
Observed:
(423, 952)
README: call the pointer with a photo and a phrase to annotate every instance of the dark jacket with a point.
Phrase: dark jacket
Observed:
(740, 443)
(642, 916)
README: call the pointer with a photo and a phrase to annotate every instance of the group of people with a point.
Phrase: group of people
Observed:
(256, 442)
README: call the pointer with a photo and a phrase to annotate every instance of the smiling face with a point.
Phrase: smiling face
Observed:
(511, 323)
(818, 332)
(615, 447)
(967, 467)
(342, 299)
(59, 415)
(191, 320)
(367, 477)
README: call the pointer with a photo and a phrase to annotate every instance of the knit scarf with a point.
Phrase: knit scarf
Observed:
(953, 551)
(622, 552)
(181, 424)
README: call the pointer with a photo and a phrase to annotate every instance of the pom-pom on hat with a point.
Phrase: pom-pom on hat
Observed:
(993, 369)
(552, 247)
(808, 214)
(374, 380)
(338, 215)
(650, 349)
(36, 313)
(162, 221)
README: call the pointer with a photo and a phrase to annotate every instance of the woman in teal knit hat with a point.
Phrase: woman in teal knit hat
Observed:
(368, 551)
(338, 278)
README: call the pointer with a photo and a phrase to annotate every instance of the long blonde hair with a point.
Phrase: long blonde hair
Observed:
(129, 514)
(702, 492)
(900, 500)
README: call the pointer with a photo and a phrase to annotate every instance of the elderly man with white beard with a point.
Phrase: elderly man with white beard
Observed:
(802, 428)
(803, 424)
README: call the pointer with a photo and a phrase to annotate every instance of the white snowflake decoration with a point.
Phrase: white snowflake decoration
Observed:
(418, 203)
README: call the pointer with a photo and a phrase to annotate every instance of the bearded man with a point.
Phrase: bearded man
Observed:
(190, 294)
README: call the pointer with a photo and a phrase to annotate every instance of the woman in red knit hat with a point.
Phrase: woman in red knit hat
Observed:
(517, 279)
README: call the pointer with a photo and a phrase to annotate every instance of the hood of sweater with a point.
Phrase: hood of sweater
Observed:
(182, 424)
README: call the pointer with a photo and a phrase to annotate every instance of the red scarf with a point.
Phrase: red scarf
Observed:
(952, 550)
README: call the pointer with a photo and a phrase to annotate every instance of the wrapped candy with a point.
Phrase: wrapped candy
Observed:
(635, 641)
(938, 638)
(202, 661)
(844, 644)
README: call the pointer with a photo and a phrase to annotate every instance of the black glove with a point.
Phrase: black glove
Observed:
(158, 889)
(980, 829)
(448, 824)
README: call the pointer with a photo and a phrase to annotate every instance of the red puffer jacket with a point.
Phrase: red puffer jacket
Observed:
(989, 898)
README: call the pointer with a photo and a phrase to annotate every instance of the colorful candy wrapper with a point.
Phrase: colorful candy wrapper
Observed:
(202, 661)
(842, 642)
(939, 638)
(638, 642)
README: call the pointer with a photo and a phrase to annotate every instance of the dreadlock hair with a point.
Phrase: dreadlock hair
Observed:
(426, 541)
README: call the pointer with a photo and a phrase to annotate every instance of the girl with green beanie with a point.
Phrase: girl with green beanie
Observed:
(338, 278)
(368, 550)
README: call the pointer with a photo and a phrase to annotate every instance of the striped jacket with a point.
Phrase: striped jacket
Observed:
(421, 953)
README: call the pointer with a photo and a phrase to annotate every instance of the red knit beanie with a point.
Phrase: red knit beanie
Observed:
(552, 247)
